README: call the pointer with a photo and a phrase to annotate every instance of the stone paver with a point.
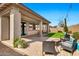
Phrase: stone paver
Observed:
(6, 51)
(35, 47)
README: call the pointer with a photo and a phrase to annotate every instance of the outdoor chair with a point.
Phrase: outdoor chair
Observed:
(49, 47)
(69, 45)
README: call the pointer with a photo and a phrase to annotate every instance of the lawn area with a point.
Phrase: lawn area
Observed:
(56, 35)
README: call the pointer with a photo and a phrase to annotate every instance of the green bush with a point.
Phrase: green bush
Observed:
(18, 42)
(23, 44)
(15, 42)
(60, 32)
(76, 35)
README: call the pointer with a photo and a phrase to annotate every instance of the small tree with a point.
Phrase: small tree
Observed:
(61, 23)
(65, 26)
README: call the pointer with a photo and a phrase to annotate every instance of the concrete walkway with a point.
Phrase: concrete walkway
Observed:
(34, 48)
(6, 51)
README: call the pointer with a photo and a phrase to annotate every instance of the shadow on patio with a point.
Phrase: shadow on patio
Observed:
(35, 38)
(6, 51)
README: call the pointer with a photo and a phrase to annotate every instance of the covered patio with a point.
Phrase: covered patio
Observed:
(18, 21)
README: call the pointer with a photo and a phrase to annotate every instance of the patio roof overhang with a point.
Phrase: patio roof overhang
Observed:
(34, 13)
(26, 12)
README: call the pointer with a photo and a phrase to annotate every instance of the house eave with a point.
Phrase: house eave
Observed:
(3, 5)
(35, 13)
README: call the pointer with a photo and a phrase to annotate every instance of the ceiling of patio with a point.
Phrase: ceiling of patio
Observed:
(3, 6)
(30, 20)
(24, 18)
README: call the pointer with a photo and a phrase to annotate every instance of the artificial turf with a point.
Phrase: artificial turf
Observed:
(56, 35)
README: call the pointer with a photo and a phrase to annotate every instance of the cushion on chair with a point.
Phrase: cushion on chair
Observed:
(71, 39)
(66, 39)
(67, 44)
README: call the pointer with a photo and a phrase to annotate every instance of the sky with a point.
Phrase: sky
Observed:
(56, 12)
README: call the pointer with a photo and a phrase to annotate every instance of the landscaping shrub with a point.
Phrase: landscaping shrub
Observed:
(23, 44)
(76, 35)
(15, 42)
(59, 31)
(70, 32)
(19, 43)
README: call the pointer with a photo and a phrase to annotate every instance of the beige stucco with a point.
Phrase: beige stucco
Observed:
(15, 24)
(0, 27)
(41, 28)
(5, 28)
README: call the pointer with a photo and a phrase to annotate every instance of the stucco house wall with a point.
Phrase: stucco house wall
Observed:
(5, 28)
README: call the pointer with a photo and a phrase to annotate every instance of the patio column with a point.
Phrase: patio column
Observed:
(27, 27)
(41, 34)
(44, 28)
(47, 28)
(15, 24)
(0, 28)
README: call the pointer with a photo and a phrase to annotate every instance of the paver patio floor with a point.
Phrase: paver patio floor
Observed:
(35, 47)
(6, 51)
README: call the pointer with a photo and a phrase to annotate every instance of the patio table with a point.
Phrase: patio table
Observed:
(57, 43)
